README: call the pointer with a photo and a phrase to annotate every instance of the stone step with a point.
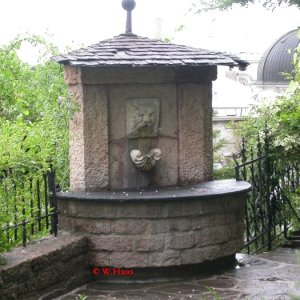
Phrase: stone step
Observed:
(296, 232)
(296, 244)
(293, 240)
(292, 244)
(293, 237)
(281, 254)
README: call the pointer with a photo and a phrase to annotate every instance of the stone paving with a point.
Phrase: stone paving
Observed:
(269, 276)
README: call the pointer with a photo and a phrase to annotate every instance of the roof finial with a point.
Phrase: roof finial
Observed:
(128, 5)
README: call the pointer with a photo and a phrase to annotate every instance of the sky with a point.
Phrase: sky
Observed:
(76, 23)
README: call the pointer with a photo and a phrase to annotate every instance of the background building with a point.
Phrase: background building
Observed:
(235, 91)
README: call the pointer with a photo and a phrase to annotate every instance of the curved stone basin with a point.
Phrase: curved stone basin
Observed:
(159, 227)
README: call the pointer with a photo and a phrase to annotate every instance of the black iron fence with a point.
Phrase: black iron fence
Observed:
(28, 207)
(270, 211)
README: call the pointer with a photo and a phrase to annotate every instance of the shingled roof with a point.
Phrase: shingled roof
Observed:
(135, 51)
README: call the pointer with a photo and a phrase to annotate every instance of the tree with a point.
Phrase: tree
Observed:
(282, 118)
(35, 109)
(205, 5)
(277, 124)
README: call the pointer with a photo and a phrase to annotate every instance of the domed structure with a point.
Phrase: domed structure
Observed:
(278, 59)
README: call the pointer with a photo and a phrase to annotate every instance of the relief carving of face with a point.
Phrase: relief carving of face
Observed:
(142, 118)
(143, 121)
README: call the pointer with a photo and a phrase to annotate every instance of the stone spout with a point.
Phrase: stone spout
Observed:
(145, 162)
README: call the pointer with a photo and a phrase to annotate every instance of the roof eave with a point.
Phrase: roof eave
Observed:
(62, 60)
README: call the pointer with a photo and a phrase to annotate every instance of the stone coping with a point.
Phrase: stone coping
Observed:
(36, 248)
(46, 268)
(196, 191)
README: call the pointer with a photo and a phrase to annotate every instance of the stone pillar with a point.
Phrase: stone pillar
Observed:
(195, 132)
(77, 167)
(89, 136)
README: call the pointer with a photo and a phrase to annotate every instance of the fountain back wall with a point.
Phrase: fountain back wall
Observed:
(179, 103)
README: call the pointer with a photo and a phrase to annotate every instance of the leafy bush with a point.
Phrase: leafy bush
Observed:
(226, 169)
(34, 115)
(34, 112)
(280, 121)
(226, 172)
(282, 117)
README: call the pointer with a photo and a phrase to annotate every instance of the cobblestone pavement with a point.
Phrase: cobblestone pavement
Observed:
(269, 276)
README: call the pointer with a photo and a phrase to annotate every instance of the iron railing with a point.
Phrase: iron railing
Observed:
(269, 209)
(29, 208)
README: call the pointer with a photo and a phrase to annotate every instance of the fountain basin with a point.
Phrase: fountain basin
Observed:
(158, 227)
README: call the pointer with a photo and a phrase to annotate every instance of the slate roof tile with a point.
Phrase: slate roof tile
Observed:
(132, 50)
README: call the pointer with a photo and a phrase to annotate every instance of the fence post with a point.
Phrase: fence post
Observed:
(269, 206)
(53, 201)
(235, 157)
(242, 176)
(244, 159)
(24, 231)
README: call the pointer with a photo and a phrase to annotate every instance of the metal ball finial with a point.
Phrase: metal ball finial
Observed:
(129, 6)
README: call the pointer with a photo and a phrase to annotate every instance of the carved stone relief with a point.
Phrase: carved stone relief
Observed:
(142, 117)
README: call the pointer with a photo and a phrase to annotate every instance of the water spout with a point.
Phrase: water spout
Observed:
(145, 162)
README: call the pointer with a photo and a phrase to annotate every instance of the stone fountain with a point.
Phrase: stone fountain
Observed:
(141, 157)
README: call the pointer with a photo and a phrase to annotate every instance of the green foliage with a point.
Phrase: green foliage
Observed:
(218, 144)
(227, 170)
(81, 297)
(34, 111)
(282, 118)
(213, 293)
(206, 5)
(2, 261)
(34, 117)
(295, 200)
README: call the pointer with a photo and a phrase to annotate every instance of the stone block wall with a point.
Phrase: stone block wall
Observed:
(45, 269)
(191, 228)
(145, 234)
